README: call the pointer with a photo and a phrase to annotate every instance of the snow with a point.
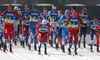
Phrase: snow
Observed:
(24, 54)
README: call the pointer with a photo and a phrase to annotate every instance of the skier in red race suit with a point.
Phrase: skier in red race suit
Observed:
(9, 17)
(73, 20)
(42, 30)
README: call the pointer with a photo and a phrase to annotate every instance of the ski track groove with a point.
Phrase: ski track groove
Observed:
(24, 54)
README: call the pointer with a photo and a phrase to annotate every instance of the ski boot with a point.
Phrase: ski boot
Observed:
(84, 45)
(31, 41)
(56, 46)
(35, 48)
(4, 47)
(39, 51)
(0, 45)
(45, 52)
(26, 43)
(63, 49)
(11, 48)
(29, 47)
(91, 48)
(69, 51)
(98, 49)
(15, 42)
(78, 44)
(23, 45)
(66, 42)
(51, 43)
(75, 51)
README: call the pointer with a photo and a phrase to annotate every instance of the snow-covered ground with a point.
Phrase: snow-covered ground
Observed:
(23, 54)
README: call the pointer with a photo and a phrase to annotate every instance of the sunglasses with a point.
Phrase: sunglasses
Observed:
(27, 8)
(34, 9)
(44, 24)
(10, 9)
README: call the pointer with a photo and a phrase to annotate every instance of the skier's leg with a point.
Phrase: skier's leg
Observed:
(5, 37)
(70, 41)
(45, 47)
(75, 40)
(30, 38)
(11, 35)
(91, 42)
(97, 36)
(35, 39)
(1, 35)
(39, 51)
(57, 37)
(84, 38)
(63, 42)
(80, 35)
(27, 35)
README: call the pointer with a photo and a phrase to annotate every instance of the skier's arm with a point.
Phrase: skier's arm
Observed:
(49, 26)
(3, 13)
(25, 16)
(16, 14)
(80, 20)
(67, 20)
(37, 25)
(59, 21)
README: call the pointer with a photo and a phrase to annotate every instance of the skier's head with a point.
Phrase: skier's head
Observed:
(44, 23)
(45, 9)
(67, 12)
(54, 8)
(84, 10)
(19, 11)
(62, 11)
(73, 8)
(16, 8)
(34, 8)
(95, 20)
(26, 8)
(74, 12)
(10, 7)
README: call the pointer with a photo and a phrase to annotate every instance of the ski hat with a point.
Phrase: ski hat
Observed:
(95, 19)
(54, 7)
(84, 8)
(61, 10)
(44, 22)
(26, 6)
(67, 11)
(16, 8)
(34, 6)
(74, 11)
(9, 6)
(45, 9)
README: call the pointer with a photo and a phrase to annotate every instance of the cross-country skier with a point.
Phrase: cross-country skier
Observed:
(94, 31)
(9, 16)
(59, 35)
(73, 20)
(65, 31)
(16, 26)
(25, 27)
(34, 15)
(44, 15)
(43, 33)
(54, 16)
(83, 30)
(1, 31)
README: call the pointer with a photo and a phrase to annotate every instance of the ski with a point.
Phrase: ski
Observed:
(76, 54)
